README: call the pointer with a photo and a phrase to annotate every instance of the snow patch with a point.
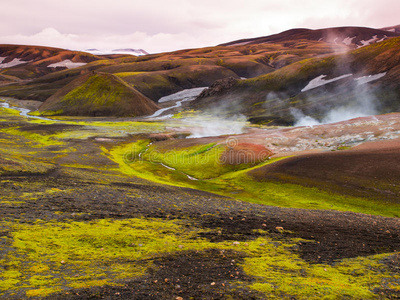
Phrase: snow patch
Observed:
(320, 81)
(240, 44)
(136, 52)
(182, 95)
(365, 79)
(369, 42)
(13, 63)
(127, 51)
(382, 39)
(179, 97)
(67, 64)
(348, 41)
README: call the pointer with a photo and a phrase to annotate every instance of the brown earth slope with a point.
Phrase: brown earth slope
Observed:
(370, 170)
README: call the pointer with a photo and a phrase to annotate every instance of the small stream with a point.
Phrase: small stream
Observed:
(23, 111)
(164, 165)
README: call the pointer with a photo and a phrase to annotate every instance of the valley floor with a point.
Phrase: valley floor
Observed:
(79, 222)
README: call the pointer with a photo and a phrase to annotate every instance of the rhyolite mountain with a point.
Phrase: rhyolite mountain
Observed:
(350, 36)
(366, 79)
(262, 78)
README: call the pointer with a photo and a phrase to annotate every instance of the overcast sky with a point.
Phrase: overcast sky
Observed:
(162, 25)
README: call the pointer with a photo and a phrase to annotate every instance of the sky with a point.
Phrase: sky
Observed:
(162, 25)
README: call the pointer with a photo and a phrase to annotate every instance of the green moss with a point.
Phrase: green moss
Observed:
(8, 111)
(42, 292)
(282, 274)
(127, 74)
(98, 89)
(297, 196)
(35, 139)
(60, 256)
(78, 254)
(47, 113)
(200, 162)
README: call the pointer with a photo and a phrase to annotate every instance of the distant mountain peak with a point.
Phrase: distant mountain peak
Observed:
(126, 51)
(350, 36)
(395, 28)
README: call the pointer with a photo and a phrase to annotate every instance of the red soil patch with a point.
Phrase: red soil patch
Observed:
(245, 153)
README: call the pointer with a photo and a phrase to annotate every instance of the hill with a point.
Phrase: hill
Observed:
(29, 62)
(284, 64)
(363, 80)
(98, 94)
(350, 36)
(162, 74)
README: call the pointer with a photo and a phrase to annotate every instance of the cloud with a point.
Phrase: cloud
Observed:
(157, 26)
(152, 43)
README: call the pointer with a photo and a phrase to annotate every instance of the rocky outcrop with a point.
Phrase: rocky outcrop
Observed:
(219, 87)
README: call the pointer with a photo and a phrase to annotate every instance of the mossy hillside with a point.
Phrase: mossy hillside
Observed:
(200, 162)
(173, 167)
(127, 157)
(99, 88)
(298, 196)
(100, 94)
(151, 84)
(378, 57)
(294, 76)
(184, 166)
(60, 256)
(246, 69)
(272, 92)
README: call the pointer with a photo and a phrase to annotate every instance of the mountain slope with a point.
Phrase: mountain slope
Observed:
(98, 94)
(392, 28)
(161, 74)
(27, 62)
(371, 84)
(350, 36)
(283, 64)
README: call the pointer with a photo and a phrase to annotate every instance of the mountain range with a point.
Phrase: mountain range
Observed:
(276, 79)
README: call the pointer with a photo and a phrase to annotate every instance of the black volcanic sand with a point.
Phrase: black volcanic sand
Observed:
(333, 235)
